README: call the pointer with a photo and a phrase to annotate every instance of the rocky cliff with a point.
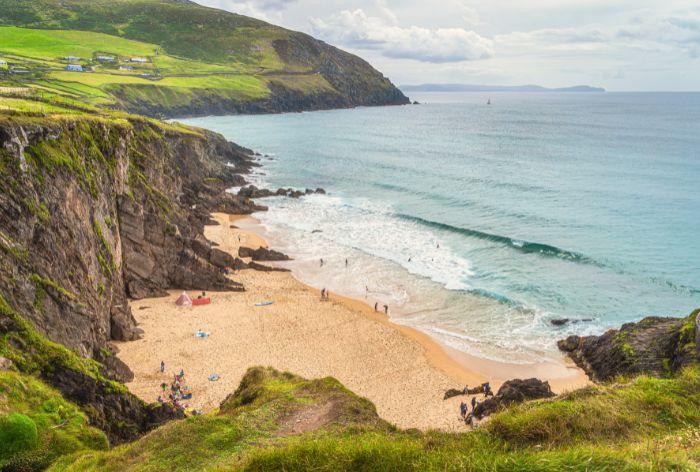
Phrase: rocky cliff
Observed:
(93, 211)
(655, 345)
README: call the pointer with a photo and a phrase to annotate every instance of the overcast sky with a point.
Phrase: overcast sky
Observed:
(616, 44)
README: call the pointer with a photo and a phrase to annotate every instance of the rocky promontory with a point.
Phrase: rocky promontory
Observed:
(655, 345)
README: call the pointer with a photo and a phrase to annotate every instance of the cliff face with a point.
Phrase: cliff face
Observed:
(95, 211)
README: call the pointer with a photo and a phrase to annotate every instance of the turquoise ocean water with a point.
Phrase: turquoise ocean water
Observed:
(479, 224)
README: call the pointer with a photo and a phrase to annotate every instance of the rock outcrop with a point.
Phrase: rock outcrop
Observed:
(251, 191)
(654, 345)
(454, 392)
(511, 392)
(262, 254)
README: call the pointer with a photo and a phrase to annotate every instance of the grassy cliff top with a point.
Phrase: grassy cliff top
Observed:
(163, 54)
(278, 421)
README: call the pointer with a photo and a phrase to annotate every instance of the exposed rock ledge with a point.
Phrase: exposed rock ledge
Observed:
(654, 345)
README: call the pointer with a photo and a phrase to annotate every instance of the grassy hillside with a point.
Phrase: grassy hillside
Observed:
(37, 425)
(278, 421)
(189, 59)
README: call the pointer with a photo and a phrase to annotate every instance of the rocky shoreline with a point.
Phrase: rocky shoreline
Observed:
(655, 346)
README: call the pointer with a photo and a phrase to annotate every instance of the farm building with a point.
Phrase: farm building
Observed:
(74, 68)
(71, 58)
(140, 60)
(126, 68)
(105, 58)
(3, 63)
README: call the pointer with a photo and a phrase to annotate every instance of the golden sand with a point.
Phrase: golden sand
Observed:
(402, 371)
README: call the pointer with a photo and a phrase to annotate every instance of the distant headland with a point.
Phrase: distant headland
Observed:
(495, 88)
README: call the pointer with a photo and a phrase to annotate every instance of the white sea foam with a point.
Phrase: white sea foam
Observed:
(429, 292)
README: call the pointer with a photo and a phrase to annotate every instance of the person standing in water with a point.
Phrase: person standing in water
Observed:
(321, 262)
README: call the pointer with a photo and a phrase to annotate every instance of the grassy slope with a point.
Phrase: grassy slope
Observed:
(61, 426)
(647, 424)
(215, 54)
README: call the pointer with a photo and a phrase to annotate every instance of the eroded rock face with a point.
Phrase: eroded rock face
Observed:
(513, 391)
(654, 345)
(94, 212)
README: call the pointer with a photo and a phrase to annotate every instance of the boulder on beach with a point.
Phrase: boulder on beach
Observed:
(513, 391)
(262, 254)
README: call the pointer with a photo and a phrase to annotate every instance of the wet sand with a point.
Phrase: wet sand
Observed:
(403, 371)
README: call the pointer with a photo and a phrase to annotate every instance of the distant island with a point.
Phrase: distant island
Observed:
(495, 88)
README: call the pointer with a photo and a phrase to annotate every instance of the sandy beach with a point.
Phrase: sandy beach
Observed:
(404, 372)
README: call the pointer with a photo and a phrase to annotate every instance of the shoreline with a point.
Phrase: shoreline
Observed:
(437, 354)
(403, 371)
(562, 374)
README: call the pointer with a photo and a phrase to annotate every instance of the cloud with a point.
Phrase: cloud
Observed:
(679, 31)
(358, 30)
(267, 10)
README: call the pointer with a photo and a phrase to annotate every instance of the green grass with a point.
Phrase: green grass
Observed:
(32, 353)
(55, 44)
(37, 425)
(648, 424)
(31, 106)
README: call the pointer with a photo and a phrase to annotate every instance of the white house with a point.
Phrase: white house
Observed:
(126, 68)
(74, 68)
(71, 58)
(105, 58)
(3, 63)
(140, 60)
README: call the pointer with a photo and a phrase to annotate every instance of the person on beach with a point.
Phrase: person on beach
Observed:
(487, 390)
(438, 245)
(366, 291)
(323, 294)
(376, 305)
(321, 262)
(386, 309)
(473, 403)
(409, 259)
(346, 262)
(466, 390)
(162, 367)
(463, 409)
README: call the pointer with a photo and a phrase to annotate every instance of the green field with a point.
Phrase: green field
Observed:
(42, 51)
(52, 45)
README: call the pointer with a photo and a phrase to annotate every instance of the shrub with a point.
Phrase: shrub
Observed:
(18, 433)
